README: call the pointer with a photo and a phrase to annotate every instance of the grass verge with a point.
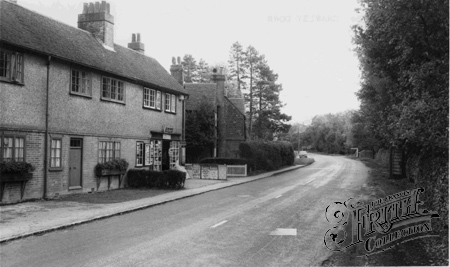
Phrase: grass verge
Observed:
(411, 253)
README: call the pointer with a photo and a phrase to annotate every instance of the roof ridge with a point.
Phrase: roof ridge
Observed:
(43, 15)
(32, 30)
(71, 26)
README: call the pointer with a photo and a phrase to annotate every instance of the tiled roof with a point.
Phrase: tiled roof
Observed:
(198, 91)
(238, 103)
(24, 28)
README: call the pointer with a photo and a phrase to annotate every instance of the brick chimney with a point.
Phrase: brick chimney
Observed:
(219, 80)
(136, 44)
(97, 20)
(176, 69)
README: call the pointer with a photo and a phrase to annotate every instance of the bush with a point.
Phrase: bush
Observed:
(114, 164)
(267, 156)
(141, 178)
(174, 179)
(16, 167)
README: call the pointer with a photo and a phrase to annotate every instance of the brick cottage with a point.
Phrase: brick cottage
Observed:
(71, 98)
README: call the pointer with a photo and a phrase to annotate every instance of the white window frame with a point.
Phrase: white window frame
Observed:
(14, 150)
(56, 153)
(167, 103)
(152, 98)
(108, 150)
(170, 103)
(174, 153)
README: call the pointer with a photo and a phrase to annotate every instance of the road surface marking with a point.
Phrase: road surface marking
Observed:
(284, 231)
(219, 224)
(278, 196)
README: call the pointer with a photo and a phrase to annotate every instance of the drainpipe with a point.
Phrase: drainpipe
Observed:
(182, 149)
(46, 128)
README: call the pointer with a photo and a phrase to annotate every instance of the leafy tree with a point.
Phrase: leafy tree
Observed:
(330, 133)
(403, 50)
(190, 68)
(203, 71)
(362, 135)
(199, 130)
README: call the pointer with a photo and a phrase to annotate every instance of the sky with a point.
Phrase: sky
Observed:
(308, 43)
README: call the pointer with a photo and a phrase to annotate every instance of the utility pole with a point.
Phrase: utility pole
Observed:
(298, 141)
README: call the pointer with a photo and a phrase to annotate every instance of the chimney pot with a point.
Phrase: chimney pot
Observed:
(177, 71)
(97, 20)
(136, 45)
(97, 7)
(103, 7)
(91, 8)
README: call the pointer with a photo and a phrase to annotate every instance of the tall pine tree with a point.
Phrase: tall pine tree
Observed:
(236, 65)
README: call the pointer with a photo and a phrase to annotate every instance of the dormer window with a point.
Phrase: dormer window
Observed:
(11, 66)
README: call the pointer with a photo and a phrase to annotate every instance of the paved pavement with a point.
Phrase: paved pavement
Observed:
(30, 218)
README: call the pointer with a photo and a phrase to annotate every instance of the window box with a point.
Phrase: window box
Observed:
(15, 177)
(111, 173)
(115, 167)
(120, 165)
(12, 172)
(23, 178)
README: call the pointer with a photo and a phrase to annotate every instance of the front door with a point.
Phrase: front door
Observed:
(165, 155)
(75, 159)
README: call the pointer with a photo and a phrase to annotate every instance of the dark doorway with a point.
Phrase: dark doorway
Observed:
(165, 155)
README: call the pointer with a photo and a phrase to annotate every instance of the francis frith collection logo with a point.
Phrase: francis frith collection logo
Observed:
(380, 224)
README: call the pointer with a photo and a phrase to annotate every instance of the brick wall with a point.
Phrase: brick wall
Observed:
(34, 149)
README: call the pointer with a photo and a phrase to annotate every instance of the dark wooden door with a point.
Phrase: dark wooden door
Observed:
(165, 155)
(75, 163)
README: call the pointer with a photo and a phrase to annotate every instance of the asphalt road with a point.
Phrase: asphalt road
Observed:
(235, 226)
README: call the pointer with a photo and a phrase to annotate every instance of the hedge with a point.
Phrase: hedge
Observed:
(267, 156)
(141, 178)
